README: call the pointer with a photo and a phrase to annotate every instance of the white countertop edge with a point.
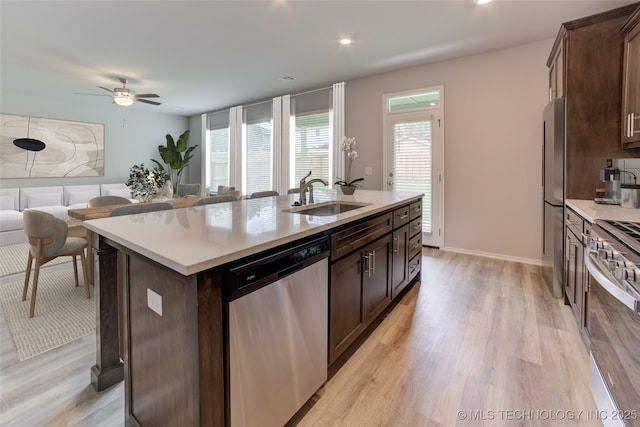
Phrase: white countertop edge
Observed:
(591, 211)
(189, 269)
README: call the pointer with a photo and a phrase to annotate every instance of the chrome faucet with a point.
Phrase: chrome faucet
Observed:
(309, 186)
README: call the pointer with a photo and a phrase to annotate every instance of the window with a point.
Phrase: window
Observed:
(258, 157)
(311, 147)
(218, 149)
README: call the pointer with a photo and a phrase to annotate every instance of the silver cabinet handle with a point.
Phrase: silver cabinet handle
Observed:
(373, 267)
(396, 239)
(403, 216)
(633, 124)
(366, 262)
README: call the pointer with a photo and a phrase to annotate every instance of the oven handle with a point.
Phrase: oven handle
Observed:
(604, 279)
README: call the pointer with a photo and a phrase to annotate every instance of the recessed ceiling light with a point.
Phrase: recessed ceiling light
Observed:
(482, 1)
(345, 41)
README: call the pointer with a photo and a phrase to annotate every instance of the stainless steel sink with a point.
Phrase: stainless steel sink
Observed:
(326, 208)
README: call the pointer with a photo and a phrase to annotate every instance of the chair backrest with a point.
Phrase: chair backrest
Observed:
(107, 201)
(136, 208)
(216, 199)
(223, 189)
(293, 190)
(43, 225)
(188, 190)
(259, 194)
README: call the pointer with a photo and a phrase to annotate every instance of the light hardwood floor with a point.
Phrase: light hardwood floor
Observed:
(479, 338)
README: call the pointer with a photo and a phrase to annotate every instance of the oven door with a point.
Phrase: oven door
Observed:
(614, 333)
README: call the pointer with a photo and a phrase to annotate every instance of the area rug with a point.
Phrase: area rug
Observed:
(63, 313)
(13, 259)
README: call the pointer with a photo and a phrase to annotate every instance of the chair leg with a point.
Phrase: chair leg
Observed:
(27, 276)
(83, 260)
(75, 270)
(36, 273)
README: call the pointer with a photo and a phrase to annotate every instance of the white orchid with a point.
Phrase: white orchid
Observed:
(347, 145)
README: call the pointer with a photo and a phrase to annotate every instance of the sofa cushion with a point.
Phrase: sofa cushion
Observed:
(126, 193)
(77, 206)
(10, 220)
(75, 197)
(57, 211)
(7, 203)
(27, 192)
(39, 200)
(5, 194)
(79, 193)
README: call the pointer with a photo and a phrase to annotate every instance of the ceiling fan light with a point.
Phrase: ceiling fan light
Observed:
(123, 101)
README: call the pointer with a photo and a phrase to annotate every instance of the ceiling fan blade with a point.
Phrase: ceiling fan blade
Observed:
(146, 101)
(148, 95)
(91, 94)
(108, 90)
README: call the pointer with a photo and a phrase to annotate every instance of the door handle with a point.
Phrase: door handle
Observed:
(366, 264)
(396, 239)
(373, 267)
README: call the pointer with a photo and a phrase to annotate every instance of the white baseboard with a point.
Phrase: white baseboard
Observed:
(492, 255)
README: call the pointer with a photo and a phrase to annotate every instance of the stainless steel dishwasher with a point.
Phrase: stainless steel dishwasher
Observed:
(278, 317)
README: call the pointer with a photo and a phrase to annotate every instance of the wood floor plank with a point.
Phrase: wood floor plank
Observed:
(478, 337)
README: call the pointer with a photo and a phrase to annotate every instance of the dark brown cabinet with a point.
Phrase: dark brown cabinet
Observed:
(399, 260)
(371, 263)
(631, 82)
(585, 66)
(576, 277)
(359, 291)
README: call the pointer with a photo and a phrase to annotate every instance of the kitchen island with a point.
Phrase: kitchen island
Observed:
(175, 294)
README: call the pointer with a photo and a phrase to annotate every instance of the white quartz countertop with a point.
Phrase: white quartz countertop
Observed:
(194, 239)
(591, 211)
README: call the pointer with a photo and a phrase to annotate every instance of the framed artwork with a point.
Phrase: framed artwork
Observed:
(34, 147)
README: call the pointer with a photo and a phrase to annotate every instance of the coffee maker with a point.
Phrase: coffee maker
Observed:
(611, 177)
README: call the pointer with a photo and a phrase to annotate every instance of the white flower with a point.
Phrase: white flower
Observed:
(352, 155)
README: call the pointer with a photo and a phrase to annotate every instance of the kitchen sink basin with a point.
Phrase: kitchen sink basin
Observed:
(326, 208)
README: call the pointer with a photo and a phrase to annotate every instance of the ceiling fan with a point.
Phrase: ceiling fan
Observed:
(123, 96)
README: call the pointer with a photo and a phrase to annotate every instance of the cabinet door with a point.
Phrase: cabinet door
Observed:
(400, 260)
(631, 87)
(556, 72)
(346, 308)
(571, 259)
(377, 277)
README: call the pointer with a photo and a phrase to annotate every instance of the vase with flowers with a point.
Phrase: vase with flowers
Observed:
(146, 183)
(348, 185)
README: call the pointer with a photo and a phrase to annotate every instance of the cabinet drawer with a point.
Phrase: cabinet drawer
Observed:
(415, 265)
(401, 216)
(415, 226)
(415, 245)
(574, 222)
(354, 237)
(415, 210)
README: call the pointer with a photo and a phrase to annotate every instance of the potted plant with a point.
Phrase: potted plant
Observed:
(176, 155)
(347, 185)
(145, 183)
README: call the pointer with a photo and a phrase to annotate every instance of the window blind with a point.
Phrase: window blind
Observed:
(413, 163)
(312, 147)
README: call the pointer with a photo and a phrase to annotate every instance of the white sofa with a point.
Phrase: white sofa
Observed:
(56, 200)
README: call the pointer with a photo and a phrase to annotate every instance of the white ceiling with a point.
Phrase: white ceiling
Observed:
(200, 56)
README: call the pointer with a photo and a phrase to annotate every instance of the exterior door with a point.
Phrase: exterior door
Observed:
(413, 162)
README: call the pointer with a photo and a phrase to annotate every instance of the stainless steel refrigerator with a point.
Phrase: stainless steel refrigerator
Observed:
(553, 196)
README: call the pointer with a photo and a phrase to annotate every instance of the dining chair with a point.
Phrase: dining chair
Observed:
(259, 194)
(216, 199)
(48, 240)
(293, 190)
(224, 189)
(107, 201)
(137, 208)
(188, 190)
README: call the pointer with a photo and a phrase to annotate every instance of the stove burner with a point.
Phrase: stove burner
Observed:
(626, 232)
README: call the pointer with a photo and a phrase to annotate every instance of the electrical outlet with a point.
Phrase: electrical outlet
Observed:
(368, 170)
(154, 301)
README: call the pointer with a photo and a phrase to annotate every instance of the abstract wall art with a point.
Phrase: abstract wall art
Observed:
(34, 147)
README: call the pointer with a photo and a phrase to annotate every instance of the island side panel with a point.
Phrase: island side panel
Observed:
(161, 347)
(211, 348)
(108, 369)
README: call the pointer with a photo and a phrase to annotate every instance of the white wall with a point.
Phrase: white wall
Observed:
(132, 134)
(493, 144)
